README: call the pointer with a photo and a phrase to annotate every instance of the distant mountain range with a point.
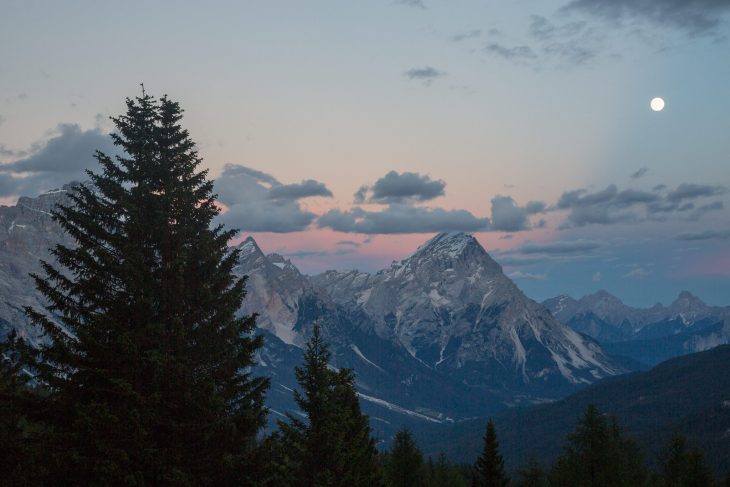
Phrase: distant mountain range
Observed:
(436, 338)
(689, 395)
(647, 335)
(439, 336)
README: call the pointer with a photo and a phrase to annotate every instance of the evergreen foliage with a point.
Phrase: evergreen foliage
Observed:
(147, 369)
(532, 475)
(333, 446)
(404, 463)
(443, 473)
(599, 456)
(489, 467)
(681, 466)
(20, 460)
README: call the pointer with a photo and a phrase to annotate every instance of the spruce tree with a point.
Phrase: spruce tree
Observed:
(21, 458)
(489, 467)
(532, 475)
(148, 368)
(404, 465)
(443, 473)
(333, 446)
(597, 455)
(682, 466)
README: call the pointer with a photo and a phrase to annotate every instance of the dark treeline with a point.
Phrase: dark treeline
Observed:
(145, 376)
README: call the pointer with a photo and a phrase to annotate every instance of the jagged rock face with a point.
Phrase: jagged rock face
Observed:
(273, 290)
(27, 233)
(605, 317)
(647, 336)
(451, 307)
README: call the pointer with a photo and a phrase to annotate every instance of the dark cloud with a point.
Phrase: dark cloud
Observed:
(509, 261)
(581, 198)
(706, 235)
(305, 189)
(349, 243)
(527, 275)
(511, 53)
(558, 248)
(610, 206)
(466, 35)
(508, 217)
(639, 173)
(406, 187)
(694, 17)
(702, 210)
(690, 191)
(598, 215)
(248, 192)
(425, 74)
(301, 254)
(402, 219)
(543, 29)
(412, 3)
(62, 158)
(630, 197)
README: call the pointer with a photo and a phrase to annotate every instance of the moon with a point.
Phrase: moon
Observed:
(657, 104)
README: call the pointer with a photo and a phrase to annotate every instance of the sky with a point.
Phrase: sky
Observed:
(343, 134)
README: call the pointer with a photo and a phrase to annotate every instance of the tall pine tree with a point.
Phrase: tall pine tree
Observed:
(682, 466)
(597, 455)
(148, 367)
(489, 467)
(21, 458)
(404, 463)
(333, 446)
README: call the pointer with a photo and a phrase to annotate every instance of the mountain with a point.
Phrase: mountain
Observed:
(688, 395)
(450, 306)
(27, 232)
(439, 336)
(647, 335)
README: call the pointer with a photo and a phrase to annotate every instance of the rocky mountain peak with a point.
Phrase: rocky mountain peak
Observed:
(446, 251)
(687, 300)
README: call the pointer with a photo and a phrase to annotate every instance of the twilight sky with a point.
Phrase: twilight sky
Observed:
(345, 133)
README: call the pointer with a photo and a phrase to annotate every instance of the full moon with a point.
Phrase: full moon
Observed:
(657, 104)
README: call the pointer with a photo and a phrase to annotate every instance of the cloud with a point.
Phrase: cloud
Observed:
(639, 173)
(690, 191)
(258, 202)
(2, 120)
(597, 277)
(305, 189)
(611, 206)
(558, 247)
(301, 254)
(580, 198)
(349, 243)
(706, 235)
(47, 165)
(638, 273)
(466, 35)
(528, 276)
(427, 74)
(407, 187)
(511, 53)
(412, 3)
(543, 29)
(694, 17)
(702, 210)
(402, 219)
(508, 217)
